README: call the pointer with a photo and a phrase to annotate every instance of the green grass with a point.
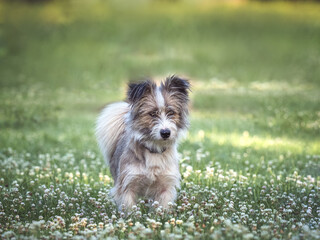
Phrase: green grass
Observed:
(255, 116)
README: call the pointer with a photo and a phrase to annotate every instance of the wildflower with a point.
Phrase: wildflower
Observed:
(85, 176)
(83, 222)
(179, 222)
(107, 179)
(172, 221)
(155, 204)
(189, 168)
(209, 172)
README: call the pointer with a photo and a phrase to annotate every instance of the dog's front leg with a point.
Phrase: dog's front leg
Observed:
(124, 196)
(124, 199)
(167, 195)
(167, 186)
(127, 200)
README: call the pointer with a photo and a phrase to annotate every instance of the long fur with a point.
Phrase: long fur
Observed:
(143, 159)
(110, 126)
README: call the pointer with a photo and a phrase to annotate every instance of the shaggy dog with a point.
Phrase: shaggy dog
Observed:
(138, 139)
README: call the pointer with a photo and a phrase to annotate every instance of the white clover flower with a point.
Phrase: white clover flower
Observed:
(186, 174)
(155, 204)
(138, 213)
(220, 177)
(179, 222)
(189, 168)
(134, 207)
(100, 176)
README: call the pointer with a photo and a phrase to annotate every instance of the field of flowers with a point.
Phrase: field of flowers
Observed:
(58, 196)
(250, 163)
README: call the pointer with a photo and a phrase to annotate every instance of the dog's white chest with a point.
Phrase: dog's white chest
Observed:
(161, 164)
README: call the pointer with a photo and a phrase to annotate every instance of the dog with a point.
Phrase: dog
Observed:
(139, 137)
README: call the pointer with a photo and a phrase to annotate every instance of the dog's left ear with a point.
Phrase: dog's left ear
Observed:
(177, 85)
(137, 90)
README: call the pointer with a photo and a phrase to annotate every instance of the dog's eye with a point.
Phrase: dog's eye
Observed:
(153, 113)
(170, 113)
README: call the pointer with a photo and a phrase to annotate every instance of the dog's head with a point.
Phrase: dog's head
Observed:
(159, 113)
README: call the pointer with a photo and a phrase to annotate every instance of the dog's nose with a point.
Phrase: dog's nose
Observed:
(165, 133)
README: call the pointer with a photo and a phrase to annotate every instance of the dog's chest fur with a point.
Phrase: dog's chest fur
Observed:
(150, 173)
(158, 165)
(160, 172)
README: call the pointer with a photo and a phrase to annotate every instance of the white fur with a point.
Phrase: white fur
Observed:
(159, 98)
(166, 163)
(110, 125)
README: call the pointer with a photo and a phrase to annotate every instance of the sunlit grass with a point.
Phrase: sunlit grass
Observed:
(245, 140)
(256, 87)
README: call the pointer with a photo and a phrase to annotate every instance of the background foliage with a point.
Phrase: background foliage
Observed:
(255, 110)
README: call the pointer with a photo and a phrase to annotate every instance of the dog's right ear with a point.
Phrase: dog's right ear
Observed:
(138, 90)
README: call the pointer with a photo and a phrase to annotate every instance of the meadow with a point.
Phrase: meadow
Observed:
(250, 163)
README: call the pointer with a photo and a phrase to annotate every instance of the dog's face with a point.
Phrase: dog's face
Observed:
(159, 113)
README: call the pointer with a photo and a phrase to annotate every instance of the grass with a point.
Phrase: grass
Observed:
(250, 162)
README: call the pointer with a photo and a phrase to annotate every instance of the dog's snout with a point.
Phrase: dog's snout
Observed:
(165, 133)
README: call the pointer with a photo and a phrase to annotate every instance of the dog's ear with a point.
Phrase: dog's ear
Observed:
(137, 90)
(177, 85)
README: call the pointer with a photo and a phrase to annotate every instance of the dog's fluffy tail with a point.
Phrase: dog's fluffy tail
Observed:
(110, 126)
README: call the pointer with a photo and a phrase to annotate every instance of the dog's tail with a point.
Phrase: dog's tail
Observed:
(109, 128)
